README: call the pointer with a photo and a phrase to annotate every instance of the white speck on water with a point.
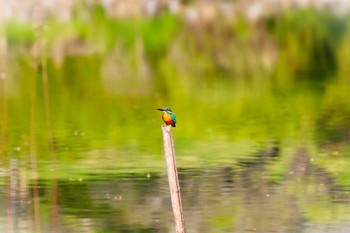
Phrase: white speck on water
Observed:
(118, 198)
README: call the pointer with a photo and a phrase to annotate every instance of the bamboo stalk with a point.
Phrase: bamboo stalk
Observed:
(173, 179)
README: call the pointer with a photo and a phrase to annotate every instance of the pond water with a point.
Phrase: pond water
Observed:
(96, 171)
(246, 197)
(250, 160)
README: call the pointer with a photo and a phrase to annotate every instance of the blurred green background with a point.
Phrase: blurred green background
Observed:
(284, 78)
(81, 94)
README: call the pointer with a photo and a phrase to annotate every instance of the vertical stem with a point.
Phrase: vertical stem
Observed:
(4, 116)
(33, 160)
(3, 77)
(49, 134)
(173, 179)
(46, 93)
(42, 59)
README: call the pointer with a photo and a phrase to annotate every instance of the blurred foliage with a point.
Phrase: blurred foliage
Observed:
(233, 84)
(310, 40)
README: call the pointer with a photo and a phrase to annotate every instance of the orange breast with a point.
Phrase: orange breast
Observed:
(167, 119)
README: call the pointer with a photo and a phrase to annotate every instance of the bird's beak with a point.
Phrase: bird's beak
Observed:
(160, 109)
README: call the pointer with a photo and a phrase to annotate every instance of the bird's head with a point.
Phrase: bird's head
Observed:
(165, 110)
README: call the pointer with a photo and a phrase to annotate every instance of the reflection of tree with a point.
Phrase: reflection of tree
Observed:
(246, 200)
(303, 168)
(229, 199)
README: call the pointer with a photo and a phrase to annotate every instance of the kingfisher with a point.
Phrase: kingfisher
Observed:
(168, 116)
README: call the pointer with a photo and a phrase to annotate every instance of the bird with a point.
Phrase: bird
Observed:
(168, 116)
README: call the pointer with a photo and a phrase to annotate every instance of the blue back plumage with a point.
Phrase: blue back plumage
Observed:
(173, 117)
(170, 112)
